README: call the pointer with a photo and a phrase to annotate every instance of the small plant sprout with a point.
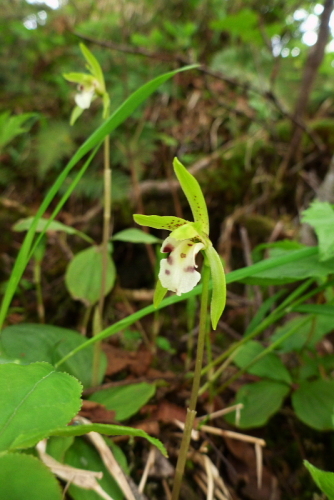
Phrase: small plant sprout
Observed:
(90, 86)
(178, 271)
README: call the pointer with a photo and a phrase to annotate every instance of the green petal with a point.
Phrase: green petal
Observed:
(158, 222)
(81, 78)
(187, 231)
(194, 194)
(159, 293)
(93, 65)
(218, 300)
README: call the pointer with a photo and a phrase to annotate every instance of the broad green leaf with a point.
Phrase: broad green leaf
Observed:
(320, 215)
(159, 293)
(193, 193)
(94, 141)
(125, 400)
(218, 299)
(93, 64)
(34, 399)
(261, 400)
(323, 479)
(84, 274)
(83, 456)
(313, 403)
(270, 366)
(30, 342)
(46, 225)
(167, 222)
(108, 429)
(134, 235)
(58, 446)
(305, 334)
(243, 24)
(24, 477)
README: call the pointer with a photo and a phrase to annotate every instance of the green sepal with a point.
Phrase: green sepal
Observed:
(159, 294)
(157, 222)
(81, 78)
(93, 65)
(194, 194)
(76, 112)
(218, 299)
(187, 231)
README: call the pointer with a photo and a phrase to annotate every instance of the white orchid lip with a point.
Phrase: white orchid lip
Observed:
(84, 98)
(178, 272)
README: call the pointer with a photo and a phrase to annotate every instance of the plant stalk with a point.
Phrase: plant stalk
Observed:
(191, 411)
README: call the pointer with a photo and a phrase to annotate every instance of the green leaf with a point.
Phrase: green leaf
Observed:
(110, 430)
(125, 400)
(34, 399)
(270, 366)
(324, 480)
(193, 193)
(84, 274)
(134, 235)
(305, 334)
(320, 215)
(93, 64)
(30, 342)
(12, 126)
(159, 293)
(218, 299)
(25, 477)
(167, 222)
(58, 446)
(47, 225)
(261, 400)
(313, 403)
(306, 267)
(83, 456)
(319, 309)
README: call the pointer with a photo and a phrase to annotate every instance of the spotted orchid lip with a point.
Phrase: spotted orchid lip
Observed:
(178, 271)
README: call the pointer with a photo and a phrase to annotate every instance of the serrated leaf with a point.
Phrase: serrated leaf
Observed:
(320, 215)
(270, 366)
(167, 222)
(313, 403)
(125, 400)
(324, 480)
(30, 342)
(25, 477)
(34, 399)
(84, 274)
(261, 400)
(108, 429)
(193, 193)
(218, 299)
(134, 235)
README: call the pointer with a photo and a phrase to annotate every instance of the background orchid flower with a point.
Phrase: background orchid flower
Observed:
(90, 86)
(178, 271)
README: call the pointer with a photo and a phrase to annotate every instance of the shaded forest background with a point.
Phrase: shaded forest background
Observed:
(254, 123)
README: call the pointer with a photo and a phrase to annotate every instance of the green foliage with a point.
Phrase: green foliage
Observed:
(134, 235)
(324, 480)
(45, 225)
(29, 343)
(29, 395)
(311, 395)
(320, 215)
(84, 275)
(12, 126)
(125, 400)
(24, 476)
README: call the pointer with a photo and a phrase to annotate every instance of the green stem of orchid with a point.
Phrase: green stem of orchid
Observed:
(104, 252)
(191, 412)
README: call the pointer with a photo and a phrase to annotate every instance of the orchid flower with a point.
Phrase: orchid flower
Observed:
(90, 86)
(178, 271)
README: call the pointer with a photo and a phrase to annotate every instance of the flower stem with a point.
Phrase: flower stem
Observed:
(191, 411)
(104, 252)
